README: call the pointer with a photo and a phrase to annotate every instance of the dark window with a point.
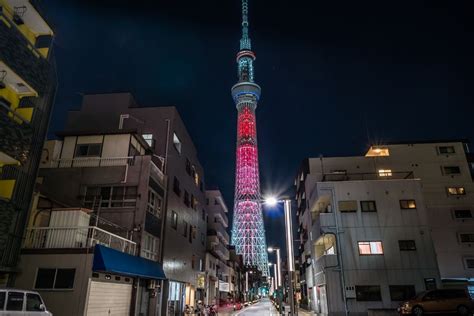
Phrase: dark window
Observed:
(446, 150)
(33, 302)
(193, 262)
(88, 150)
(174, 220)
(216, 202)
(203, 214)
(191, 233)
(15, 301)
(466, 237)
(193, 202)
(185, 229)
(203, 238)
(451, 170)
(407, 245)
(407, 204)
(402, 292)
(462, 214)
(368, 206)
(201, 186)
(188, 166)
(186, 198)
(430, 283)
(2, 300)
(207, 201)
(469, 263)
(176, 188)
(55, 279)
(368, 293)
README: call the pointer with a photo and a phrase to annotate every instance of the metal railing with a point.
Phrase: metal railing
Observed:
(158, 172)
(389, 175)
(148, 254)
(80, 162)
(75, 237)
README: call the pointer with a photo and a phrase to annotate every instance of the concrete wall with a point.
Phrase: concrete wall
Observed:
(59, 302)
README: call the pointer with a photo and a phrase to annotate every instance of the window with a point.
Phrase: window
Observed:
(207, 201)
(55, 278)
(446, 150)
(33, 302)
(370, 248)
(466, 238)
(154, 203)
(385, 172)
(216, 202)
(177, 143)
(193, 202)
(203, 238)
(186, 198)
(88, 150)
(469, 263)
(201, 186)
(203, 214)
(407, 204)
(15, 301)
(375, 151)
(347, 206)
(456, 191)
(430, 284)
(448, 170)
(176, 188)
(462, 214)
(407, 245)
(193, 262)
(188, 166)
(3, 296)
(368, 206)
(365, 293)
(110, 197)
(149, 139)
(195, 176)
(185, 229)
(402, 292)
(150, 247)
(174, 220)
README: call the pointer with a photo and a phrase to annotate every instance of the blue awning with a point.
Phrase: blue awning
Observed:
(110, 260)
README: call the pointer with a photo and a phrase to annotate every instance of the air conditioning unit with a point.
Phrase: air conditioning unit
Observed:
(151, 284)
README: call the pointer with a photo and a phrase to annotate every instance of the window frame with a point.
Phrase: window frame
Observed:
(365, 203)
(448, 152)
(176, 186)
(174, 220)
(355, 204)
(466, 242)
(87, 155)
(377, 299)
(55, 280)
(449, 173)
(177, 144)
(370, 247)
(463, 218)
(402, 207)
(405, 242)
(459, 191)
(156, 206)
(466, 265)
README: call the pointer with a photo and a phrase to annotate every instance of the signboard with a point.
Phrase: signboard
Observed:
(223, 286)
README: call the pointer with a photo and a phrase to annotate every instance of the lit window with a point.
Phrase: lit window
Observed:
(174, 220)
(446, 150)
(347, 206)
(176, 143)
(376, 151)
(385, 173)
(407, 204)
(456, 191)
(370, 248)
(149, 139)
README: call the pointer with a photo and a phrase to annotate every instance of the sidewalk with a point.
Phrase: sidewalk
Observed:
(305, 312)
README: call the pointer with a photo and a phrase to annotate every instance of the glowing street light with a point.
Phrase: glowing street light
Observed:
(271, 201)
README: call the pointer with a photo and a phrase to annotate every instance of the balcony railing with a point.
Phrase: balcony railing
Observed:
(75, 237)
(324, 262)
(367, 176)
(157, 171)
(81, 162)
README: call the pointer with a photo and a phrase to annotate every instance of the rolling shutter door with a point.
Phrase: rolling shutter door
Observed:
(109, 299)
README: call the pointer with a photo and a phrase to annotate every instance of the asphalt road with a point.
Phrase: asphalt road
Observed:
(263, 308)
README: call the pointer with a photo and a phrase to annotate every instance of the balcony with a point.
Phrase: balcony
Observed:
(342, 176)
(155, 171)
(324, 262)
(221, 232)
(85, 162)
(79, 237)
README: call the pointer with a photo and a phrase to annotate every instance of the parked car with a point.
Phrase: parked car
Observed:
(438, 302)
(237, 306)
(22, 302)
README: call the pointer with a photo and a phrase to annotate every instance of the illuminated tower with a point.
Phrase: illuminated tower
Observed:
(248, 233)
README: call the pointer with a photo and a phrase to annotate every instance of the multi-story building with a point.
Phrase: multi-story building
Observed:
(113, 175)
(184, 242)
(218, 247)
(391, 201)
(27, 89)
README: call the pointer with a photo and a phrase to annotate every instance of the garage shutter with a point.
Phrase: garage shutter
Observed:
(109, 299)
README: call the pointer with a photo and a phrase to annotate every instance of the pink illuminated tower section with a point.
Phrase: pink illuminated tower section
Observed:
(248, 233)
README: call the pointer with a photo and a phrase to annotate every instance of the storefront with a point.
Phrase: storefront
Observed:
(176, 298)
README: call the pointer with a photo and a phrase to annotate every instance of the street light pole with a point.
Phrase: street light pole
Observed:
(289, 247)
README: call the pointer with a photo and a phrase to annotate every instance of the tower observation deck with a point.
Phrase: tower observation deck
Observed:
(248, 232)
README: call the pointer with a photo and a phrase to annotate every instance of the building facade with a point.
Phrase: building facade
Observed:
(185, 228)
(27, 90)
(431, 179)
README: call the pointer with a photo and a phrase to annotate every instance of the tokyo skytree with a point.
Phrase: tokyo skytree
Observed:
(248, 232)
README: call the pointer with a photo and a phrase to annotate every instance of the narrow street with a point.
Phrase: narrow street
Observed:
(263, 308)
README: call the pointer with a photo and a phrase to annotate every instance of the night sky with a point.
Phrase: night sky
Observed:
(335, 75)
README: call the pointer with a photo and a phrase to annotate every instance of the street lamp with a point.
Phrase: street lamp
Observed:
(272, 201)
(278, 267)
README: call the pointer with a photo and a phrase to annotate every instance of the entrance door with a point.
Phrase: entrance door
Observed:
(109, 299)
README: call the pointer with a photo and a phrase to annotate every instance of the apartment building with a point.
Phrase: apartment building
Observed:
(185, 228)
(438, 177)
(27, 89)
(218, 247)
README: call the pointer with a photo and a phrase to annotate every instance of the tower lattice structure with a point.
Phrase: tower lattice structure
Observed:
(248, 232)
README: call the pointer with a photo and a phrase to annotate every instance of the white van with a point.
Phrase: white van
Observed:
(15, 302)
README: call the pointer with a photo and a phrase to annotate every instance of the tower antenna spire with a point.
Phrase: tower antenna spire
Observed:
(245, 41)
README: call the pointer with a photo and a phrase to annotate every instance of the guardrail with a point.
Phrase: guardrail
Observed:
(75, 237)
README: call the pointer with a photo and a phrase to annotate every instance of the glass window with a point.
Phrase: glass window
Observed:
(33, 302)
(456, 191)
(188, 166)
(154, 203)
(385, 172)
(149, 139)
(368, 293)
(469, 263)
(407, 204)
(15, 301)
(55, 278)
(347, 206)
(460, 214)
(370, 248)
(401, 292)
(407, 245)
(430, 283)
(45, 278)
(368, 206)
(174, 220)
(448, 170)
(176, 188)
(446, 150)
(2, 300)
(65, 278)
(466, 237)
(88, 150)
(177, 143)
(185, 229)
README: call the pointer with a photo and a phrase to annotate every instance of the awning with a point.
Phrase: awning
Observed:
(110, 260)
